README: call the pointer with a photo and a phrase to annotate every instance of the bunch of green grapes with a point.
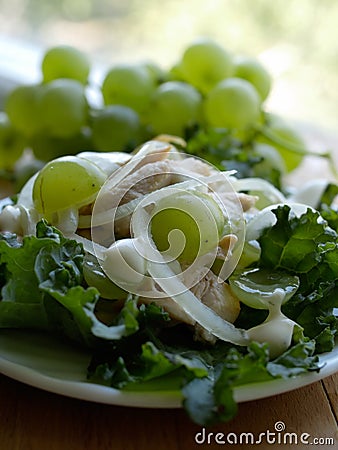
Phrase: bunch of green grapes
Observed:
(50, 116)
(212, 98)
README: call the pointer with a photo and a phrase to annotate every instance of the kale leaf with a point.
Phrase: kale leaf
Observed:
(307, 247)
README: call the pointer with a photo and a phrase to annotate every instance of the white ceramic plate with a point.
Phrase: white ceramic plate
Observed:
(42, 362)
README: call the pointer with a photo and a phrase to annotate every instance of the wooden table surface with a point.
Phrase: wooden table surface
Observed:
(32, 419)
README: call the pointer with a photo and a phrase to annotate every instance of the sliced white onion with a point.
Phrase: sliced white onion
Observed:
(266, 218)
(148, 148)
(270, 192)
(197, 310)
(124, 265)
(108, 162)
(67, 220)
(85, 221)
(10, 219)
(110, 215)
(311, 193)
(25, 197)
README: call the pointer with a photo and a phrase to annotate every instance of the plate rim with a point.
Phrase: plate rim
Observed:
(97, 393)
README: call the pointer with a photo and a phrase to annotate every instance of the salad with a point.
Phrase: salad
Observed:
(175, 274)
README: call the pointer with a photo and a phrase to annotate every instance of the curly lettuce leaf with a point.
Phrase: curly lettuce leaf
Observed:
(206, 375)
(42, 288)
(327, 207)
(308, 247)
(329, 195)
(296, 244)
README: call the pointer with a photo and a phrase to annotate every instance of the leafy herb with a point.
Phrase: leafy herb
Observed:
(226, 152)
(308, 247)
(207, 376)
(329, 195)
(139, 348)
(327, 208)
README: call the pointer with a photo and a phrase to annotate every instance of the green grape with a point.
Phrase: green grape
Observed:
(173, 107)
(115, 128)
(46, 147)
(251, 254)
(12, 143)
(175, 73)
(252, 70)
(63, 107)
(66, 182)
(197, 217)
(22, 107)
(233, 103)
(286, 139)
(254, 287)
(205, 63)
(128, 85)
(156, 72)
(65, 61)
(94, 276)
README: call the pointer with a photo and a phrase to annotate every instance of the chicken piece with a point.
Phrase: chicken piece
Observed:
(218, 297)
(157, 174)
(247, 201)
(171, 139)
(192, 167)
(234, 204)
(148, 178)
(158, 152)
(112, 194)
(226, 245)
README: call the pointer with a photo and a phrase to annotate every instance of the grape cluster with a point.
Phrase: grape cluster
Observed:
(210, 97)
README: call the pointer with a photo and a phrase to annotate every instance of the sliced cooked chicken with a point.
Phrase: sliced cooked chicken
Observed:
(218, 297)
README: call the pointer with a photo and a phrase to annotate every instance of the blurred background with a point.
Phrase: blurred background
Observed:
(297, 40)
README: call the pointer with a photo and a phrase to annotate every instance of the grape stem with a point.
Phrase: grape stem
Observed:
(274, 138)
(294, 148)
(332, 166)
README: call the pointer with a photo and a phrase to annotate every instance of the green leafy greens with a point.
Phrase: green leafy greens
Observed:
(138, 346)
